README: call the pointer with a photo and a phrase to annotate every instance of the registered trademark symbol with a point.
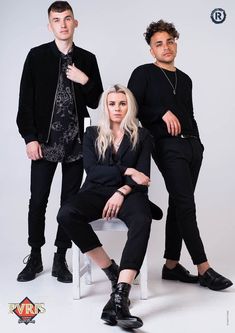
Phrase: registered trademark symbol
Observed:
(218, 15)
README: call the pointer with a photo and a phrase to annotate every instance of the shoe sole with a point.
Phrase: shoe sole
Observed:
(176, 279)
(64, 281)
(127, 324)
(202, 284)
(54, 274)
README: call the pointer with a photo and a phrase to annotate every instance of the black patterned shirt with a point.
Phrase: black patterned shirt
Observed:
(64, 143)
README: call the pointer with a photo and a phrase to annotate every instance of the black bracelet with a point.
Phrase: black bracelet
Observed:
(120, 192)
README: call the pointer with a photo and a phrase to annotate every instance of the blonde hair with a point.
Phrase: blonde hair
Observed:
(129, 123)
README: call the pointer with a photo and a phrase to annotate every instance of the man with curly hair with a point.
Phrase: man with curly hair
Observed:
(59, 82)
(164, 96)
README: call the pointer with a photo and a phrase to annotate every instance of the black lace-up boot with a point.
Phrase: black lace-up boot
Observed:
(33, 266)
(60, 269)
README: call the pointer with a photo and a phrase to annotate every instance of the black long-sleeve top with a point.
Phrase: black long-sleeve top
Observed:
(154, 95)
(38, 87)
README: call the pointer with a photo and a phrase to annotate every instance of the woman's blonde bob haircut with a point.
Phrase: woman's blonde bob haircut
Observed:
(129, 124)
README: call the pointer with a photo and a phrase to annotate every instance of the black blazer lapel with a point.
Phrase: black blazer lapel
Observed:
(124, 146)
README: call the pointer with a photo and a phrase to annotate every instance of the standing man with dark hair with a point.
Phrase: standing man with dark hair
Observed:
(59, 82)
(164, 97)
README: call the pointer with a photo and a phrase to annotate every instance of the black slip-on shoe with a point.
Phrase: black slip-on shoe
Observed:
(60, 269)
(214, 281)
(179, 273)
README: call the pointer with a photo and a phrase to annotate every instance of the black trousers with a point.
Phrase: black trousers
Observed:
(42, 173)
(88, 205)
(179, 161)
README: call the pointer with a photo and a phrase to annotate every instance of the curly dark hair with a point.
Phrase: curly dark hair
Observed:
(160, 26)
(59, 7)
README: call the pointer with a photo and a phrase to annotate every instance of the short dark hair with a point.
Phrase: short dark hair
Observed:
(59, 7)
(160, 26)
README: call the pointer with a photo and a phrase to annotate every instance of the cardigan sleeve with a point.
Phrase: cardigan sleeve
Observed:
(25, 115)
(93, 88)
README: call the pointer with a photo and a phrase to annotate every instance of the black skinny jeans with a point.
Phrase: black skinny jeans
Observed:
(179, 161)
(88, 205)
(42, 173)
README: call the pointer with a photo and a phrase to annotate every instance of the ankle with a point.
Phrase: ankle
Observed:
(171, 264)
(203, 267)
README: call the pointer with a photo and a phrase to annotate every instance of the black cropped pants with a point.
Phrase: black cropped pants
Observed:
(88, 205)
(179, 161)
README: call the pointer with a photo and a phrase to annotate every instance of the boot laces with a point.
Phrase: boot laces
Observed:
(26, 259)
(118, 298)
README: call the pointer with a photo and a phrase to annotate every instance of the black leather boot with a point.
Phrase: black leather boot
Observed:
(116, 311)
(123, 316)
(33, 266)
(109, 312)
(112, 273)
(60, 269)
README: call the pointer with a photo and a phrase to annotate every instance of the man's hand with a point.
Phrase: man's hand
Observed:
(34, 151)
(172, 123)
(76, 75)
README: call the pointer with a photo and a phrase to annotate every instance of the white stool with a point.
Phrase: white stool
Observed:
(78, 271)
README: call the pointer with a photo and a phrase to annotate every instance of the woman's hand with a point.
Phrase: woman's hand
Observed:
(139, 177)
(112, 206)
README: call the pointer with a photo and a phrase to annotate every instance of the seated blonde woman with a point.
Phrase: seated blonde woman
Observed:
(117, 162)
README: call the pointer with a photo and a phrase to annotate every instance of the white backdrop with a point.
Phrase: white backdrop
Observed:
(114, 32)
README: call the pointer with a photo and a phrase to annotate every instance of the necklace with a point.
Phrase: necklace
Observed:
(118, 143)
(166, 76)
